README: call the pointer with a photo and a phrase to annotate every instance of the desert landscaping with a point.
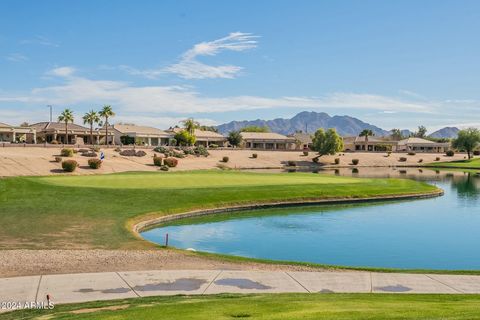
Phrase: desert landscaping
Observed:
(39, 161)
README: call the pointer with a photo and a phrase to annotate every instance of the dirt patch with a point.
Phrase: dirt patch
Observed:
(36, 262)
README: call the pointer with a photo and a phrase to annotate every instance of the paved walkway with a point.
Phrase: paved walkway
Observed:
(81, 287)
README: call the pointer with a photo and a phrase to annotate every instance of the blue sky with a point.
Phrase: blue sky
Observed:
(391, 63)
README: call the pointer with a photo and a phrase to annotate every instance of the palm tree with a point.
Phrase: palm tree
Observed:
(90, 118)
(106, 113)
(190, 125)
(396, 134)
(366, 133)
(66, 116)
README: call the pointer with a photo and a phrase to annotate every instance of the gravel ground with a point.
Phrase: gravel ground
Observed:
(35, 262)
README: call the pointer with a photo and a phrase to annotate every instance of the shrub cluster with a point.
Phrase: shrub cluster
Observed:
(291, 163)
(133, 153)
(450, 153)
(170, 162)
(69, 165)
(213, 146)
(90, 154)
(94, 163)
(66, 152)
(355, 161)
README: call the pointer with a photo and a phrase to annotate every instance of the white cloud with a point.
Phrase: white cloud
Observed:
(185, 100)
(189, 67)
(62, 71)
(16, 57)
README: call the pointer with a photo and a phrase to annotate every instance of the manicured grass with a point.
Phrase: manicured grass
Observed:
(470, 164)
(95, 211)
(193, 179)
(271, 306)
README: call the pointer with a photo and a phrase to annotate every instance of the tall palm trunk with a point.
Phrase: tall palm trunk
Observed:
(106, 130)
(66, 133)
(91, 133)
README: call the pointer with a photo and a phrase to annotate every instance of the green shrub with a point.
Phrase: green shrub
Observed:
(94, 163)
(337, 160)
(305, 153)
(254, 155)
(411, 153)
(66, 152)
(69, 165)
(291, 163)
(225, 159)
(75, 151)
(58, 159)
(201, 151)
(450, 153)
(213, 146)
(402, 159)
(140, 153)
(355, 161)
(164, 168)
(161, 149)
(170, 162)
(158, 161)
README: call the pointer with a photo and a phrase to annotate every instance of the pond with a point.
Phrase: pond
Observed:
(438, 233)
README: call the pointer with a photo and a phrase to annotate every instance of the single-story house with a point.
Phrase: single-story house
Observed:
(204, 137)
(267, 140)
(371, 144)
(207, 138)
(303, 141)
(14, 134)
(144, 135)
(55, 131)
(422, 145)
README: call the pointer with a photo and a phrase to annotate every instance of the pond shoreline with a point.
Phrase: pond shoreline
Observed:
(150, 223)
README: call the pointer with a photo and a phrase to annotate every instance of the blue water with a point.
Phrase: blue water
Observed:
(438, 233)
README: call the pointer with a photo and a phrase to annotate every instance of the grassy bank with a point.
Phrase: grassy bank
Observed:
(273, 306)
(92, 211)
(461, 164)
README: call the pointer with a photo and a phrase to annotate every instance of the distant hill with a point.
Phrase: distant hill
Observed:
(447, 132)
(307, 121)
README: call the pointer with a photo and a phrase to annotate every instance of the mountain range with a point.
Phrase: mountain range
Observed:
(310, 121)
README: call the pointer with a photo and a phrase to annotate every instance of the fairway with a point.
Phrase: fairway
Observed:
(87, 212)
(194, 179)
(273, 306)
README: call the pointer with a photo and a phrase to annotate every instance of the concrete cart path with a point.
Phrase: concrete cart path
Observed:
(82, 287)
